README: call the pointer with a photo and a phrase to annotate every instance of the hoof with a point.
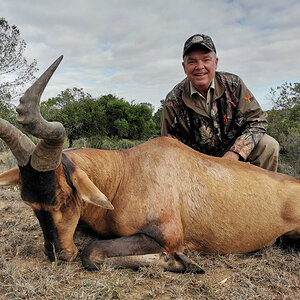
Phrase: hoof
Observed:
(190, 265)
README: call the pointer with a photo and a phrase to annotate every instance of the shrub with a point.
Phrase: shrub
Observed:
(111, 143)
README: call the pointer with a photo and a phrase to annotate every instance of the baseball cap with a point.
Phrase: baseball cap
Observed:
(198, 40)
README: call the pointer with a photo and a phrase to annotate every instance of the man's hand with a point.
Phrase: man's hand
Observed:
(231, 155)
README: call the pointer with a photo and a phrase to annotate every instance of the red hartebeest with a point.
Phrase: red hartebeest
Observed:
(159, 197)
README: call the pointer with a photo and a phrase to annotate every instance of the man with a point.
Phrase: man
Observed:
(215, 113)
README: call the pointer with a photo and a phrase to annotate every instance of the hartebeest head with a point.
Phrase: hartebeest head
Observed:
(51, 184)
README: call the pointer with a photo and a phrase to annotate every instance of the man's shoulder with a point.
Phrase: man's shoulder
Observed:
(229, 80)
(175, 95)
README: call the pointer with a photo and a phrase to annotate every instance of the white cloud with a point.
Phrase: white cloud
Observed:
(133, 48)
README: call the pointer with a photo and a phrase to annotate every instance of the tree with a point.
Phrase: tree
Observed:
(117, 112)
(285, 116)
(72, 108)
(284, 125)
(141, 122)
(286, 96)
(107, 116)
(8, 113)
(15, 71)
(157, 115)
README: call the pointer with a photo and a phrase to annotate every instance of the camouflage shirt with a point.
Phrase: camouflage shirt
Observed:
(235, 121)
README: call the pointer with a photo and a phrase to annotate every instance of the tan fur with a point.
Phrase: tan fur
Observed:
(88, 191)
(10, 177)
(183, 198)
(209, 204)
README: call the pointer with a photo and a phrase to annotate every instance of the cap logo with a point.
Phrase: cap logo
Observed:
(197, 39)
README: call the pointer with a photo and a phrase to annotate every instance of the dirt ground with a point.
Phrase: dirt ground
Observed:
(26, 273)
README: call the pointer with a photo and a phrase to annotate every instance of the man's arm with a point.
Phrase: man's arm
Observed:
(256, 122)
(231, 155)
(167, 119)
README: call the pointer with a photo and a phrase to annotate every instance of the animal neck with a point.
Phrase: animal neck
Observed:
(111, 169)
(104, 168)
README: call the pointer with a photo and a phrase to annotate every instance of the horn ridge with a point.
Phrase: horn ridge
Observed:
(47, 154)
(28, 110)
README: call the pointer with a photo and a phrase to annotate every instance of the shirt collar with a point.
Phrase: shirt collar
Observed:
(211, 88)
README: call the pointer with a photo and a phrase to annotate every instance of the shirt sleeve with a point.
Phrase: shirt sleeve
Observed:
(255, 122)
(168, 118)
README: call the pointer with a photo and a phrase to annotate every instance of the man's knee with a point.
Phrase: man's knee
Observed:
(265, 154)
(270, 145)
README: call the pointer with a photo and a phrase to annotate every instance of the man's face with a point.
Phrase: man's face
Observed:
(200, 66)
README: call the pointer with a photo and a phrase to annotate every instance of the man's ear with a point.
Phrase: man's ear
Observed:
(217, 60)
(87, 190)
(183, 65)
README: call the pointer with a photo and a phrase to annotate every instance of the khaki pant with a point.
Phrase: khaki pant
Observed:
(265, 154)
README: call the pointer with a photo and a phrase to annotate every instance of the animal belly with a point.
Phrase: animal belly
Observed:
(226, 239)
(232, 222)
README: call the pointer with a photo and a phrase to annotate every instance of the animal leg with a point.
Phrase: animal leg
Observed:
(295, 234)
(189, 264)
(171, 237)
(291, 239)
(132, 252)
(136, 261)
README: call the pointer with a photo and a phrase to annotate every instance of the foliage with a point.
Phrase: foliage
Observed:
(286, 96)
(107, 116)
(15, 71)
(109, 143)
(7, 112)
(141, 123)
(71, 108)
(284, 126)
(157, 115)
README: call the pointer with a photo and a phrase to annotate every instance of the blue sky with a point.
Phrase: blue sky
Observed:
(133, 48)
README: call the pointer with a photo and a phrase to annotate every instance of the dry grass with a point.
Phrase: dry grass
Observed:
(25, 273)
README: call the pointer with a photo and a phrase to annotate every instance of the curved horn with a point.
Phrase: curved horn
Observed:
(29, 108)
(47, 155)
(20, 144)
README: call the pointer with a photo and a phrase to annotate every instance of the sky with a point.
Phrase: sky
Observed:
(133, 48)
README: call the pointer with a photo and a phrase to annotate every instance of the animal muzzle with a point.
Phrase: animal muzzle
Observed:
(55, 246)
(61, 254)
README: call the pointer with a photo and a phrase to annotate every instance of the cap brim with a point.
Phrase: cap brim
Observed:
(195, 46)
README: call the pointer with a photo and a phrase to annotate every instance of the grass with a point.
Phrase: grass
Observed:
(26, 273)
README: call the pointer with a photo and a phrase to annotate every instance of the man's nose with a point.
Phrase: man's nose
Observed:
(199, 65)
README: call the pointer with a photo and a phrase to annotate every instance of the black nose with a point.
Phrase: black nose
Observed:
(51, 251)
(50, 254)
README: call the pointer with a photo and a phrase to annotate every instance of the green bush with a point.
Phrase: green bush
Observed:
(284, 126)
(289, 158)
(110, 143)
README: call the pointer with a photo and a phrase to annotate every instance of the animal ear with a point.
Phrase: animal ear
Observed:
(88, 191)
(10, 177)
